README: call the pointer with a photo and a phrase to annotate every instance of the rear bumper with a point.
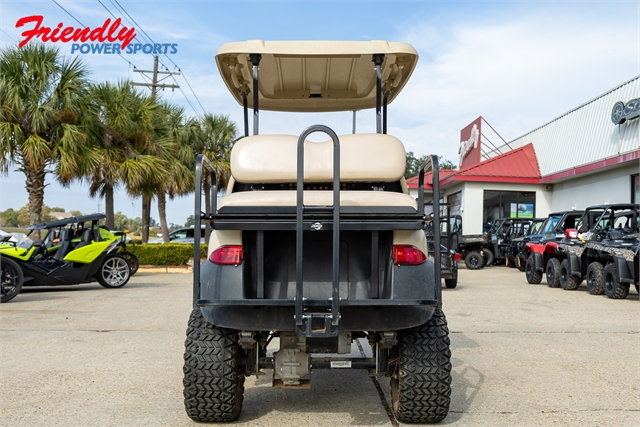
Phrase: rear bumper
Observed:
(373, 317)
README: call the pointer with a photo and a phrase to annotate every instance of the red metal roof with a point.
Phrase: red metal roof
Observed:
(518, 166)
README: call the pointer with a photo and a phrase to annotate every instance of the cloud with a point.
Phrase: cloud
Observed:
(518, 73)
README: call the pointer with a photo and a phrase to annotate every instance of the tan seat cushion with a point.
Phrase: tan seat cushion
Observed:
(317, 198)
(263, 159)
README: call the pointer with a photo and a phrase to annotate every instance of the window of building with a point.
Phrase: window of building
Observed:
(455, 202)
(507, 204)
(635, 188)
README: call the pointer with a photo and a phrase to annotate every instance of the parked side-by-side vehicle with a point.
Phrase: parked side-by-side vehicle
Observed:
(73, 251)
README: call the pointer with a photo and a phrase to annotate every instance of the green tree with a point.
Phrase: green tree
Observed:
(414, 163)
(56, 209)
(190, 221)
(126, 149)
(45, 119)
(179, 161)
(9, 218)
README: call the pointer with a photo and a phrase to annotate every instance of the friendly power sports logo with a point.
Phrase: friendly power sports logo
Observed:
(111, 38)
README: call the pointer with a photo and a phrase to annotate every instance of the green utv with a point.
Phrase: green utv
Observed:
(73, 251)
(317, 247)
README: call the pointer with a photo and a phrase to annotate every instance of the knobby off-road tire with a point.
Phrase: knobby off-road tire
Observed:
(613, 289)
(213, 382)
(474, 261)
(568, 281)
(553, 273)
(11, 278)
(421, 385)
(488, 257)
(114, 272)
(534, 276)
(451, 283)
(595, 278)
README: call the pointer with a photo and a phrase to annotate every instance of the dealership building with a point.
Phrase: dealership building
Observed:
(588, 156)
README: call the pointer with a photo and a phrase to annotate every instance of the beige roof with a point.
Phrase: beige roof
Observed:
(315, 75)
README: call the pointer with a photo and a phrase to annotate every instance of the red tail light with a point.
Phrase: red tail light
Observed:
(227, 255)
(408, 255)
(457, 257)
(571, 233)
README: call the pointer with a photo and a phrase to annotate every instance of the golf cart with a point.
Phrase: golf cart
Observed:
(316, 245)
(74, 250)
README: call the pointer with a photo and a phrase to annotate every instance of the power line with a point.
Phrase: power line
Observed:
(75, 19)
(171, 60)
(8, 35)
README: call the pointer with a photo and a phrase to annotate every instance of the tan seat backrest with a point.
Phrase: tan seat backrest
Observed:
(263, 159)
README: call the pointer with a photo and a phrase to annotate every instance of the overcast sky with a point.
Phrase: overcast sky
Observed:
(517, 64)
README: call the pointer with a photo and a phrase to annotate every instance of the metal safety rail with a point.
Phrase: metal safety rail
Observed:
(203, 166)
(304, 321)
(432, 163)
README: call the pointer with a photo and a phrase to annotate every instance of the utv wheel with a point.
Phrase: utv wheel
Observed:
(132, 259)
(474, 260)
(11, 279)
(567, 280)
(488, 257)
(451, 283)
(553, 273)
(533, 276)
(421, 386)
(213, 382)
(114, 272)
(595, 278)
(522, 262)
(613, 289)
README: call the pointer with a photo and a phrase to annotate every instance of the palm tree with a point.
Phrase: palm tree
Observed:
(45, 119)
(127, 119)
(180, 160)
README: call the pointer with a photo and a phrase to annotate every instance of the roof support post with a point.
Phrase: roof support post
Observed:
(246, 113)
(378, 59)
(384, 112)
(255, 60)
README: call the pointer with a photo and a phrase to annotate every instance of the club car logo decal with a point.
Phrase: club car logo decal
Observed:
(622, 112)
(111, 37)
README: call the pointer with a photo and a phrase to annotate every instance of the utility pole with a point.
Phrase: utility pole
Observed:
(154, 85)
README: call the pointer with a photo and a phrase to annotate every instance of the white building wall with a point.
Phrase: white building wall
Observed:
(585, 134)
(473, 202)
(607, 187)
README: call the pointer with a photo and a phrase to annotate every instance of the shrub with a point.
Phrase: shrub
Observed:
(165, 254)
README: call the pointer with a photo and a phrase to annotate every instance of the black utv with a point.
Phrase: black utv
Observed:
(474, 249)
(316, 244)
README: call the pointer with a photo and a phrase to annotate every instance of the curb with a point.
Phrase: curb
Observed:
(170, 269)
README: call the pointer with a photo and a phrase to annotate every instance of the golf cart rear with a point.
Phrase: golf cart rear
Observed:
(316, 244)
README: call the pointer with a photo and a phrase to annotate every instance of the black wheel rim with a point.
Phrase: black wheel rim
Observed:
(473, 260)
(608, 283)
(590, 279)
(529, 272)
(8, 280)
(550, 277)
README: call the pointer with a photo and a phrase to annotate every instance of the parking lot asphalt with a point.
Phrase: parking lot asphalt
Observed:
(522, 355)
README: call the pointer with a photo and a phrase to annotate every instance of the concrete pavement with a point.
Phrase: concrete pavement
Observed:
(522, 355)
